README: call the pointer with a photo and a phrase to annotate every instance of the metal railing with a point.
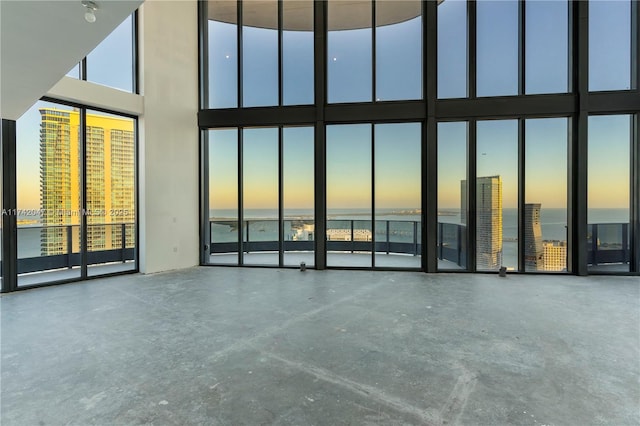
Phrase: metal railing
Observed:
(608, 243)
(67, 253)
(391, 236)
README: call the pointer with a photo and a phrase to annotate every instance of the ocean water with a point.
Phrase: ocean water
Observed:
(264, 226)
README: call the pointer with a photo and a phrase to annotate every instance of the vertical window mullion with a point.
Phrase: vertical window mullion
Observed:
(374, 96)
(521, 194)
(240, 53)
(134, 51)
(9, 202)
(83, 190)
(240, 199)
(471, 195)
(373, 196)
(429, 152)
(280, 55)
(280, 196)
(472, 48)
(522, 46)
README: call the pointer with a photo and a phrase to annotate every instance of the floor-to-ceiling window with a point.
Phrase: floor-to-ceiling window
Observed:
(438, 135)
(609, 192)
(261, 196)
(76, 193)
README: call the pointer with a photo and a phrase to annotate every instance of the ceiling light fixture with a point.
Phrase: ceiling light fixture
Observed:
(91, 7)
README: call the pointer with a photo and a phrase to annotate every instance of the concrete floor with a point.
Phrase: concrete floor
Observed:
(235, 346)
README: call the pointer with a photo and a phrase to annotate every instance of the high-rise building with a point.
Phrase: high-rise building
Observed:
(488, 220)
(533, 249)
(555, 255)
(110, 195)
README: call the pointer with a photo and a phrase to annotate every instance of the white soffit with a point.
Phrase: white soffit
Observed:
(41, 40)
(342, 15)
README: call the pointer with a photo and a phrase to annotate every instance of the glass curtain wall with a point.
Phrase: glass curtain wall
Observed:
(397, 195)
(223, 218)
(609, 192)
(452, 195)
(267, 62)
(496, 195)
(49, 193)
(56, 145)
(452, 49)
(610, 43)
(261, 196)
(398, 52)
(545, 210)
(297, 52)
(260, 81)
(502, 155)
(112, 62)
(298, 196)
(110, 190)
(349, 51)
(349, 199)
(374, 195)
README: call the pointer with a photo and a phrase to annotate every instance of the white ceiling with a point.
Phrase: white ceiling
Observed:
(41, 40)
(298, 15)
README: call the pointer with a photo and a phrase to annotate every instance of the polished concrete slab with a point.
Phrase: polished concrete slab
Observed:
(233, 346)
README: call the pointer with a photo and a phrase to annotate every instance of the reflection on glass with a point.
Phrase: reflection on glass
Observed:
(398, 52)
(48, 148)
(223, 54)
(452, 49)
(297, 52)
(111, 62)
(349, 51)
(496, 195)
(297, 197)
(610, 45)
(349, 237)
(110, 192)
(260, 54)
(608, 198)
(397, 195)
(452, 207)
(74, 72)
(497, 47)
(545, 215)
(260, 196)
(223, 196)
(547, 46)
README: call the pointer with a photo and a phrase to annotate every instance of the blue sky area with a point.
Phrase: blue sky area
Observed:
(398, 77)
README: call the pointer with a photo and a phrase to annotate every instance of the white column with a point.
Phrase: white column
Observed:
(168, 142)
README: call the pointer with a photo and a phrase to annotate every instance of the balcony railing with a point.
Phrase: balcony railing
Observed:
(260, 235)
(608, 243)
(69, 255)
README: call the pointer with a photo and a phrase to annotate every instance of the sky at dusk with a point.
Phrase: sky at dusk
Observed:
(399, 77)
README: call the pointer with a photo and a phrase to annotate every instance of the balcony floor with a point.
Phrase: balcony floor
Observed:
(334, 259)
(35, 278)
(271, 346)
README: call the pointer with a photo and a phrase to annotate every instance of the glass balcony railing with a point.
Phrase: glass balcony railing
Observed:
(608, 244)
